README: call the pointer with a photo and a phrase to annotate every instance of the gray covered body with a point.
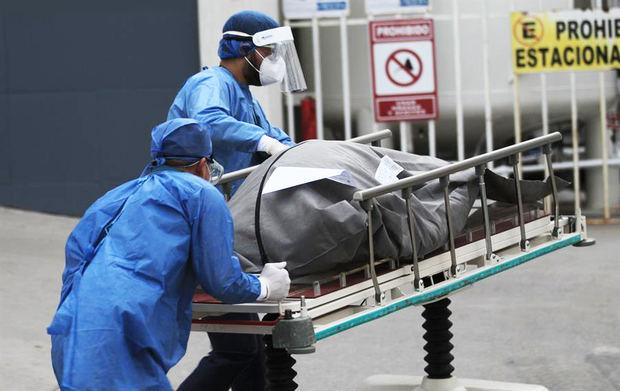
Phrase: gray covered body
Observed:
(317, 228)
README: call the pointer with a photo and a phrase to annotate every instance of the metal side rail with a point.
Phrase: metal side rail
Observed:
(338, 321)
(371, 138)
(342, 309)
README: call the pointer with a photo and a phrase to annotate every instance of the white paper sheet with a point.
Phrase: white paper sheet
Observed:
(387, 171)
(287, 177)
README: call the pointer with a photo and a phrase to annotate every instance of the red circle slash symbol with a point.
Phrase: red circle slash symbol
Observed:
(403, 67)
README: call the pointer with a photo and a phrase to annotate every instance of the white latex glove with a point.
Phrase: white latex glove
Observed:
(270, 145)
(276, 148)
(274, 278)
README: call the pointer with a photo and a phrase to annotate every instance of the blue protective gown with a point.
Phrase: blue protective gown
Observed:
(125, 310)
(215, 99)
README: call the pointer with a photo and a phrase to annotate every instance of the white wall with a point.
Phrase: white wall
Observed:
(471, 70)
(212, 15)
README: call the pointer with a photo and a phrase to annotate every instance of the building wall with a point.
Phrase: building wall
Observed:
(81, 85)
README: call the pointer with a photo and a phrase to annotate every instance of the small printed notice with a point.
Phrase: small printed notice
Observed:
(382, 7)
(287, 177)
(308, 9)
(388, 171)
(402, 59)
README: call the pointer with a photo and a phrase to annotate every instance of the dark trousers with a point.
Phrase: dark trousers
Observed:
(236, 361)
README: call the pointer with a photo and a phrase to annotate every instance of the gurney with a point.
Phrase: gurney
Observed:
(321, 306)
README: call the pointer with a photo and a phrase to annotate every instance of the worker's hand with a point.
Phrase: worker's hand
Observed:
(270, 145)
(276, 148)
(276, 280)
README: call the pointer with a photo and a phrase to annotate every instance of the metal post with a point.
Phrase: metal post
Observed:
(431, 139)
(290, 116)
(342, 279)
(455, 167)
(318, 89)
(444, 182)
(543, 95)
(603, 113)
(545, 123)
(290, 110)
(485, 213)
(346, 93)
(575, 145)
(517, 114)
(370, 75)
(554, 192)
(544, 114)
(316, 286)
(460, 137)
(371, 137)
(368, 206)
(545, 104)
(514, 162)
(488, 116)
(516, 102)
(417, 282)
(403, 127)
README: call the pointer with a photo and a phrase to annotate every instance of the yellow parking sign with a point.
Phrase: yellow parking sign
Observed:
(565, 40)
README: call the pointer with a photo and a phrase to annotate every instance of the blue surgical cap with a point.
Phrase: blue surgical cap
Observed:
(249, 22)
(181, 139)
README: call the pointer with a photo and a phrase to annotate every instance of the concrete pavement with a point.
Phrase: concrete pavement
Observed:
(554, 321)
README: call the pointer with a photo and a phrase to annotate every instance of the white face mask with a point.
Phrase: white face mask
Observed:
(271, 70)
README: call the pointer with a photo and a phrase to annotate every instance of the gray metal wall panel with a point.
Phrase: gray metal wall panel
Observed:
(5, 174)
(4, 102)
(3, 58)
(51, 46)
(51, 144)
(117, 114)
(81, 86)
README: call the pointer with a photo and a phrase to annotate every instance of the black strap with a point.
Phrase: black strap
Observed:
(259, 240)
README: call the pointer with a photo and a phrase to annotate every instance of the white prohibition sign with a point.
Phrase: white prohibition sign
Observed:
(403, 67)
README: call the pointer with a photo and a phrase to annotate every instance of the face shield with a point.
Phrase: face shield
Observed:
(280, 41)
(216, 170)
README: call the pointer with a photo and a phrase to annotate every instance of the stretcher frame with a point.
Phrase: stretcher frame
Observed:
(319, 315)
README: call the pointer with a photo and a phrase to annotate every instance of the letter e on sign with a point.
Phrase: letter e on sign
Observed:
(528, 30)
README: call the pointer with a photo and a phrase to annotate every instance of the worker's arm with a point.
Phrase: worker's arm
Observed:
(273, 131)
(209, 103)
(216, 266)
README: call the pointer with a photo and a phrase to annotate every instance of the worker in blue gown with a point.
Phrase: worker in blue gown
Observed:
(133, 263)
(254, 50)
